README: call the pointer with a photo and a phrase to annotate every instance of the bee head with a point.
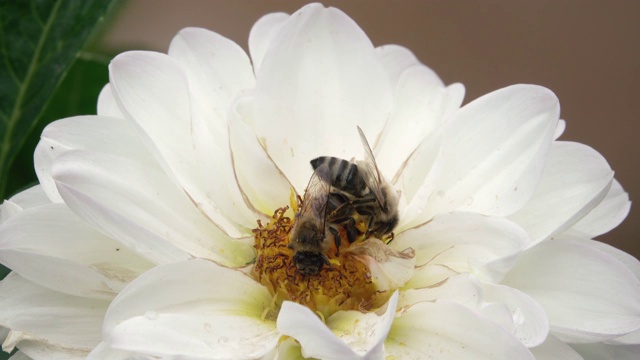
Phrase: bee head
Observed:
(309, 263)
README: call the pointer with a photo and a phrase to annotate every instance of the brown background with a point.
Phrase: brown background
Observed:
(586, 51)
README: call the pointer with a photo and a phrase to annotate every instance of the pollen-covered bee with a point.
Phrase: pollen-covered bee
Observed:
(311, 235)
(342, 199)
(363, 191)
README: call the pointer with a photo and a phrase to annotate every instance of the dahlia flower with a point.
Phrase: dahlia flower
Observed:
(160, 227)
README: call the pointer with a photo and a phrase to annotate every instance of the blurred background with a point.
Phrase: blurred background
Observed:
(586, 51)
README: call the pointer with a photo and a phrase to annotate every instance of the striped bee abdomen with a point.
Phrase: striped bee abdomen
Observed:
(343, 175)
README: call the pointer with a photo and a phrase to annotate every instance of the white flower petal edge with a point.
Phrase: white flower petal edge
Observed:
(431, 329)
(494, 177)
(574, 283)
(153, 90)
(463, 242)
(347, 334)
(51, 246)
(26, 199)
(314, 86)
(601, 351)
(34, 314)
(608, 214)
(575, 179)
(196, 309)
(96, 133)
(554, 349)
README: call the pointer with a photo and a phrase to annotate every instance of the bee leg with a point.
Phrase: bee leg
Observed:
(336, 238)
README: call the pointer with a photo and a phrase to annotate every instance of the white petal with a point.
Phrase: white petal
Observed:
(463, 289)
(389, 268)
(554, 349)
(142, 208)
(560, 129)
(319, 79)
(599, 351)
(607, 214)
(448, 330)
(195, 309)
(43, 351)
(364, 333)
(421, 104)
(32, 197)
(37, 314)
(465, 242)
(355, 335)
(396, 59)
(263, 183)
(261, 35)
(96, 133)
(529, 319)
(107, 105)
(20, 356)
(217, 69)
(632, 338)
(574, 181)
(153, 91)
(494, 150)
(629, 261)
(104, 351)
(587, 294)
(52, 247)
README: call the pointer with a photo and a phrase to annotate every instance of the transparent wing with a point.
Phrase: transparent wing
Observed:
(316, 195)
(371, 173)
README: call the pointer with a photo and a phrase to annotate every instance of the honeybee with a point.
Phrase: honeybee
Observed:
(365, 193)
(311, 235)
(342, 197)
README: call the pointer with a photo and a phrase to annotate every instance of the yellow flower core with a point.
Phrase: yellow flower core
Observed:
(346, 284)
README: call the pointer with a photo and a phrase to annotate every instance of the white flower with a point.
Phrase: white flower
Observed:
(139, 242)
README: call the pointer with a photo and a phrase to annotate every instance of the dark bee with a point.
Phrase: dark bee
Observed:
(312, 234)
(362, 192)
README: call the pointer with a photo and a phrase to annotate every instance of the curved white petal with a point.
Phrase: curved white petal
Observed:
(608, 214)
(139, 206)
(35, 314)
(52, 247)
(463, 289)
(465, 242)
(587, 294)
(26, 199)
(529, 321)
(421, 104)
(319, 79)
(396, 59)
(448, 330)
(261, 35)
(347, 334)
(194, 309)
(107, 105)
(153, 91)
(264, 184)
(629, 261)
(390, 269)
(38, 350)
(600, 351)
(493, 151)
(96, 133)
(562, 125)
(575, 179)
(104, 351)
(217, 69)
(554, 349)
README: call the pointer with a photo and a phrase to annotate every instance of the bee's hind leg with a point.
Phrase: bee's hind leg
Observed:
(336, 238)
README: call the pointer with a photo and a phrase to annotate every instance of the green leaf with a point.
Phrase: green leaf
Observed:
(39, 40)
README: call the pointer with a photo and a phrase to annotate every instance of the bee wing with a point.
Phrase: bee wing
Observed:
(316, 195)
(372, 174)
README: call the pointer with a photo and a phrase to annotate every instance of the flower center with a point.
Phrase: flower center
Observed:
(345, 283)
